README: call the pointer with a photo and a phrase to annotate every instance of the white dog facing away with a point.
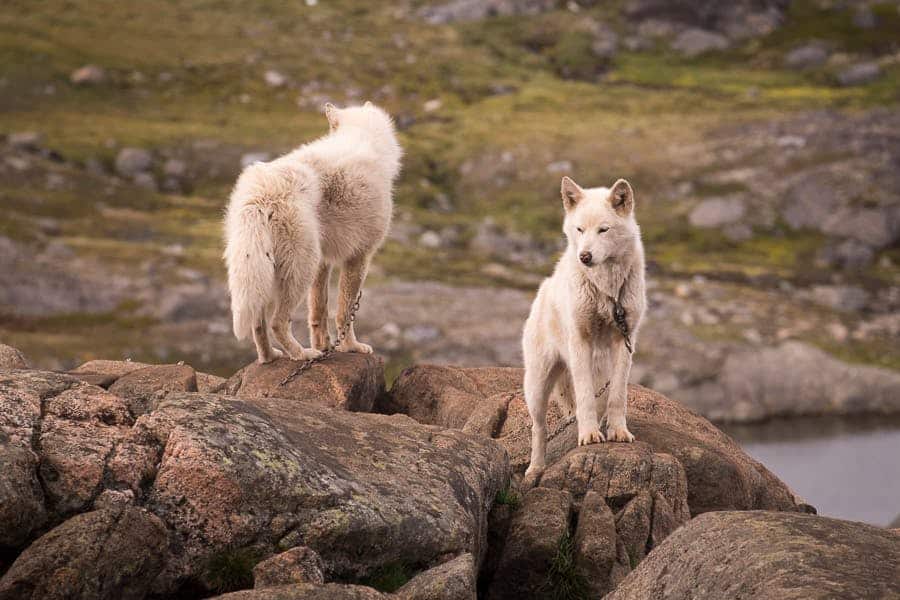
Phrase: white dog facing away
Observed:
(581, 330)
(289, 221)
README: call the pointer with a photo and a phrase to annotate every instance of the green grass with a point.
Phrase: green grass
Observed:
(231, 569)
(508, 497)
(564, 580)
(389, 578)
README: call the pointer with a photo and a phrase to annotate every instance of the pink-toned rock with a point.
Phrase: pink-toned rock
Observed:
(105, 372)
(297, 565)
(114, 553)
(210, 384)
(344, 380)
(12, 358)
(308, 591)
(143, 388)
(452, 580)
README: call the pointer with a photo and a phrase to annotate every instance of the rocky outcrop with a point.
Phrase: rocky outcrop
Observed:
(224, 476)
(720, 476)
(796, 379)
(297, 565)
(598, 508)
(769, 555)
(348, 381)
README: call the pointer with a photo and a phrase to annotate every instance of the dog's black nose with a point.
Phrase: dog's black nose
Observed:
(586, 257)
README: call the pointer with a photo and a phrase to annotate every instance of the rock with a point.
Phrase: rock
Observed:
(694, 42)
(596, 545)
(807, 56)
(432, 105)
(131, 161)
(26, 140)
(717, 212)
(211, 384)
(431, 239)
(473, 10)
(297, 565)
(844, 298)
(859, 74)
(452, 580)
(143, 388)
(488, 401)
(535, 535)
(754, 386)
(175, 167)
(104, 372)
(863, 17)
(12, 358)
(605, 42)
(345, 380)
(254, 157)
(768, 555)
(877, 227)
(275, 79)
(88, 75)
(308, 591)
(145, 181)
(110, 553)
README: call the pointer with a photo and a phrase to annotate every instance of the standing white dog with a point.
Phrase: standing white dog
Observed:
(584, 320)
(290, 220)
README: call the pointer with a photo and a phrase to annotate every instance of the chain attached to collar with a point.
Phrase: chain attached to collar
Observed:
(619, 317)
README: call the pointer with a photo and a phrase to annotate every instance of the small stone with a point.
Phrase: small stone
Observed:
(806, 56)
(717, 212)
(432, 105)
(88, 75)
(275, 79)
(859, 74)
(131, 161)
(430, 239)
(145, 181)
(694, 42)
(25, 140)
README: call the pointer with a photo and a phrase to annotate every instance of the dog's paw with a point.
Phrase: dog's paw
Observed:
(309, 354)
(619, 433)
(354, 346)
(531, 477)
(590, 435)
(274, 354)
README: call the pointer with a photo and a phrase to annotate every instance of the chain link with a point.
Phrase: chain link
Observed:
(331, 349)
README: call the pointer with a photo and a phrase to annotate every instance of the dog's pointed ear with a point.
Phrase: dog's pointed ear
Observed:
(621, 197)
(571, 193)
(331, 113)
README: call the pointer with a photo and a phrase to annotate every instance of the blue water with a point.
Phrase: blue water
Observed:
(849, 469)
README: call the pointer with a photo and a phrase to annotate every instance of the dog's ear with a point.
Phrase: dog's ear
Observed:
(571, 193)
(621, 197)
(331, 113)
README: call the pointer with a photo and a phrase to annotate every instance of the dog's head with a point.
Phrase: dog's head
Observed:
(599, 223)
(367, 117)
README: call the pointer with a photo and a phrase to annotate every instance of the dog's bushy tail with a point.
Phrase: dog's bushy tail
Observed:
(249, 251)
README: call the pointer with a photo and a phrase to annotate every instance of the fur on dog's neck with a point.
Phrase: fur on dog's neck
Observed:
(606, 278)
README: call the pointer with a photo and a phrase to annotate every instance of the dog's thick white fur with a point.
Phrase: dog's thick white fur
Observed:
(570, 339)
(289, 221)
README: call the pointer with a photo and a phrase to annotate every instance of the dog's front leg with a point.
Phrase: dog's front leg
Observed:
(617, 430)
(581, 366)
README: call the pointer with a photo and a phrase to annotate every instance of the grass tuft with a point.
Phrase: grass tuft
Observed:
(564, 580)
(508, 497)
(389, 578)
(231, 569)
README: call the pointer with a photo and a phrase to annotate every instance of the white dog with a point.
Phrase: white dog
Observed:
(584, 321)
(290, 220)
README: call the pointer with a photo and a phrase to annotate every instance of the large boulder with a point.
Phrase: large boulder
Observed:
(115, 553)
(488, 401)
(233, 477)
(344, 380)
(759, 554)
(142, 388)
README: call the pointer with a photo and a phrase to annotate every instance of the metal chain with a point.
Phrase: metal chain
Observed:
(622, 324)
(569, 420)
(331, 349)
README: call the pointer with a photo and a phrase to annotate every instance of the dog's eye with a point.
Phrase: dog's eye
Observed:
(580, 230)
(603, 230)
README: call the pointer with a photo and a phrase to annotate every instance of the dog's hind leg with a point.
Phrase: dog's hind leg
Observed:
(264, 351)
(318, 309)
(353, 274)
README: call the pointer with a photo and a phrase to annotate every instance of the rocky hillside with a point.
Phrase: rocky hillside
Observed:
(761, 137)
(127, 480)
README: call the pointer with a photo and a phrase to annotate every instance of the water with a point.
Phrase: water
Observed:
(849, 469)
